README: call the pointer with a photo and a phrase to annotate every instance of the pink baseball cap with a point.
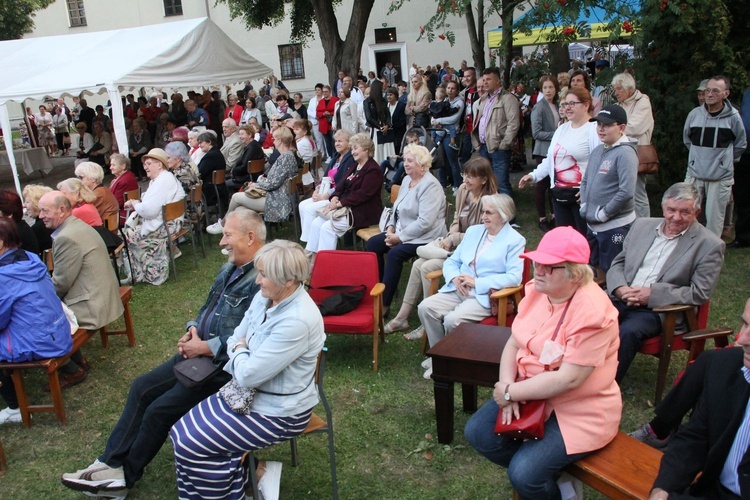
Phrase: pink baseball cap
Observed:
(562, 244)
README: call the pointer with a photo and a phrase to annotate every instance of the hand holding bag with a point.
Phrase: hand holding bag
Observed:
(238, 398)
(385, 217)
(530, 424)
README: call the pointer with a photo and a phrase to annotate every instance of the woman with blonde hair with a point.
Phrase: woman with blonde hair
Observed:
(31, 195)
(91, 175)
(82, 200)
(418, 102)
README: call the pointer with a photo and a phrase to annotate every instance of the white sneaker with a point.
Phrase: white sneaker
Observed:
(97, 478)
(9, 415)
(271, 481)
(428, 374)
(427, 363)
(215, 228)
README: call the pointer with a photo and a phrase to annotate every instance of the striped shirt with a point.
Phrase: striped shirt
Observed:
(729, 476)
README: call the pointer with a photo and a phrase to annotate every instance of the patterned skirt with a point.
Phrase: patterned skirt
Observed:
(210, 441)
(149, 253)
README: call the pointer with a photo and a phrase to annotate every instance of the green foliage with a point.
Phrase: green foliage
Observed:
(438, 26)
(17, 17)
(680, 44)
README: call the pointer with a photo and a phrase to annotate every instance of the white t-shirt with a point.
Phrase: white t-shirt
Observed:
(568, 155)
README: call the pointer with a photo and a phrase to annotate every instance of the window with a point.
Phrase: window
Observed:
(172, 7)
(291, 62)
(385, 35)
(77, 13)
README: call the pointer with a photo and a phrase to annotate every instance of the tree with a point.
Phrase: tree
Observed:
(17, 17)
(339, 54)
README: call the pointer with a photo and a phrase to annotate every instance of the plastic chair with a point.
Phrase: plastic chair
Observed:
(346, 267)
(316, 425)
(170, 212)
(696, 319)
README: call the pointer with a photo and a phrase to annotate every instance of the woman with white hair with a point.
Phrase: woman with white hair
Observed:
(123, 182)
(640, 127)
(487, 258)
(272, 353)
(82, 200)
(178, 162)
(196, 153)
(91, 175)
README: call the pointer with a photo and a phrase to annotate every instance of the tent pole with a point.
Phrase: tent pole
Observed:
(118, 115)
(8, 139)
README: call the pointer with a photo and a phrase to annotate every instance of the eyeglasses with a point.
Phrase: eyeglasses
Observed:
(545, 269)
(713, 91)
(569, 104)
(488, 212)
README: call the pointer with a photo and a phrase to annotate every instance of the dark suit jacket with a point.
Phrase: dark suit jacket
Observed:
(213, 160)
(363, 194)
(252, 151)
(690, 273)
(702, 445)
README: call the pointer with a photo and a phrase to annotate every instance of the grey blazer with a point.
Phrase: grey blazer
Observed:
(83, 275)
(690, 273)
(419, 213)
(543, 126)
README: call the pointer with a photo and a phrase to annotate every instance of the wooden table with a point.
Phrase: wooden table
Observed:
(469, 355)
(29, 160)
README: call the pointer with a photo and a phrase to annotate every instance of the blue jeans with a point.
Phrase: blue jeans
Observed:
(451, 156)
(636, 325)
(534, 465)
(155, 402)
(467, 148)
(390, 263)
(500, 161)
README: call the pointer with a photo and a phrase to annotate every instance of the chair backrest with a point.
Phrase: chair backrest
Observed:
(174, 210)
(196, 193)
(345, 267)
(394, 193)
(47, 259)
(218, 176)
(135, 194)
(112, 222)
(256, 166)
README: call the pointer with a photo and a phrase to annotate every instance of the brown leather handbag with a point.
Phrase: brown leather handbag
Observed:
(648, 160)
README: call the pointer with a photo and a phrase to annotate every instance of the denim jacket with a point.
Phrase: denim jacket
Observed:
(283, 343)
(232, 304)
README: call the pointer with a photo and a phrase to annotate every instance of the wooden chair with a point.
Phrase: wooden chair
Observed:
(255, 168)
(218, 177)
(173, 211)
(198, 213)
(126, 293)
(112, 223)
(361, 268)
(135, 194)
(507, 299)
(316, 425)
(366, 233)
(50, 366)
(696, 319)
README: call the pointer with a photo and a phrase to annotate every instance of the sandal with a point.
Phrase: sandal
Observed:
(396, 326)
(415, 334)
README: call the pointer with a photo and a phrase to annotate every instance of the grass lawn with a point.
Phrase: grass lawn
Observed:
(384, 423)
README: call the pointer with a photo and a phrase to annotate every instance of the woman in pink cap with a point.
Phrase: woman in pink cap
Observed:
(563, 350)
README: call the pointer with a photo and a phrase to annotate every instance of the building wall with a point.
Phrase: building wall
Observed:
(263, 44)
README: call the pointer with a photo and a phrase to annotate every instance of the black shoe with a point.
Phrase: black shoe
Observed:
(738, 244)
(545, 226)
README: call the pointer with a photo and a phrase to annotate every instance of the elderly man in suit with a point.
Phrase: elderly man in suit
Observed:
(83, 275)
(716, 440)
(664, 261)
(233, 145)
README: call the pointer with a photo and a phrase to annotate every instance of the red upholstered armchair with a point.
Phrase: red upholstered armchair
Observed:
(345, 267)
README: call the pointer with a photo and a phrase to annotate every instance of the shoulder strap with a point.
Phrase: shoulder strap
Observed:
(559, 323)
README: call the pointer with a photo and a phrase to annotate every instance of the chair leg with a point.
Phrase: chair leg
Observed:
(127, 250)
(665, 356)
(195, 250)
(3, 461)
(249, 459)
(23, 398)
(332, 460)
(295, 451)
(56, 393)
(170, 249)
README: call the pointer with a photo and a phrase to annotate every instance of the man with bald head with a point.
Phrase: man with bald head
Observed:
(233, 146)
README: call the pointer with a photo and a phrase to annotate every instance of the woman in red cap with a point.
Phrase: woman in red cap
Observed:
(563, 350)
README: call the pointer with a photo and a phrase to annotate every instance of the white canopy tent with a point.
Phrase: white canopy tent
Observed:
(192, 53)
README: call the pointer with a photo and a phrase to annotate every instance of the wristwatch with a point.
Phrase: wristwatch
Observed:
(506, 396)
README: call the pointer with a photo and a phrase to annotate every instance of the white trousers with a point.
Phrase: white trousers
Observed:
(442, 312)
(308, 211)
(324, 234)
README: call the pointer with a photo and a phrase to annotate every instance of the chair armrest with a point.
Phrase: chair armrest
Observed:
(505, 292)
(707, 333)
(378, 289)
(434, 274)
(673, 308)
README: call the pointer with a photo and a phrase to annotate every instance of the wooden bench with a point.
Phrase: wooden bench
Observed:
(50, 365)
(624, 469)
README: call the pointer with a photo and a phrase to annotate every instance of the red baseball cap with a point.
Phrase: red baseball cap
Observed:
(562, 244)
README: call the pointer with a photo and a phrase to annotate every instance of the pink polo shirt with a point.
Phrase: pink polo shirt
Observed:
(589, 415)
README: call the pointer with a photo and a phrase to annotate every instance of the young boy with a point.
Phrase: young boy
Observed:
(608, 187)
(441, 108)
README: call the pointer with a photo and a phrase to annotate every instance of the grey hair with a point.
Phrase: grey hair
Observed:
(624, 80)
(177, 149)
(682, 191)
(121, 159)
(283, 261)
(502, 203)
(91, 170)
(193, 134)
(249, 222)
(581, 273)
(208, 137)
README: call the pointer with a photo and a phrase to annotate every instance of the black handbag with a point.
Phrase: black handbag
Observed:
(195, 371)
(337, 300)
(565, 195)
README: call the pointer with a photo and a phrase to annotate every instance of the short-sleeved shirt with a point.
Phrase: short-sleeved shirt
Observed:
(589, 415)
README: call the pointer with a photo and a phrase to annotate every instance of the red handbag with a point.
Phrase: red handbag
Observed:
(530, 423)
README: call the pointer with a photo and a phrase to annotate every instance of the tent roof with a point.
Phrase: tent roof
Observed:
(188, 53)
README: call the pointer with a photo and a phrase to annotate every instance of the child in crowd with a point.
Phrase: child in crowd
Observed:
(66, 143)
(24, 135)
(441, 108)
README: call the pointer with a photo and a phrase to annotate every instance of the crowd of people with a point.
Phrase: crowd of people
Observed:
(602, 266)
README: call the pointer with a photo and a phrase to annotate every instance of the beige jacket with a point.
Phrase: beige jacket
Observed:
(505, 121)
(640, 118)
(83, 277)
